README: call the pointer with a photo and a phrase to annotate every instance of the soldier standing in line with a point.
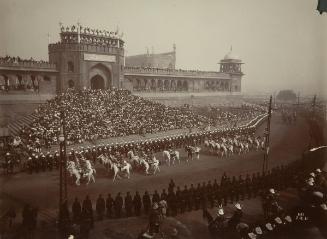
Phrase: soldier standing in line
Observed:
(204, 196)
(171, 203)
(100, 207)
(191, 198)
(87, 204)
(128, 204)
(171, 185)
(210, 193)
(146, 202)
(198, 197)
(76, 210)
(86, 224)
(118, 205)
(247, 186)
(109, 205)
(232, 189)
(223, 179)
(178, 199)
(155, 197)
(163, 195)
(137, 202)
(184, 199)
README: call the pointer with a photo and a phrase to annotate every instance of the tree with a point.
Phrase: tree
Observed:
(286, 95)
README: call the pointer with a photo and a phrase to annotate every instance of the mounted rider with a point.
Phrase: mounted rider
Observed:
(236, 218)
(172, 153)
(220, 219)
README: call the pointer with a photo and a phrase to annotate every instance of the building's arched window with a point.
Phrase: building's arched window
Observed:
(70, 66)
(71, 84)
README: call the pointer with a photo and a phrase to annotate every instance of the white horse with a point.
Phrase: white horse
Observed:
(134, 159)
(196, 151)
(73, 171)
(224, 151)
(167, 157)
(126, 168)
(89, 172)
(155, 165)
(145, 164)
(78, 173)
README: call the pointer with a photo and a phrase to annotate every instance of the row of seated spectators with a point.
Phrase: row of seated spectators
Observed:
(12, 59)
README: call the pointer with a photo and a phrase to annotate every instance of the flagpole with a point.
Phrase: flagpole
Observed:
(267, 139)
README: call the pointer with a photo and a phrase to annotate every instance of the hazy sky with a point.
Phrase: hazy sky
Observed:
(281, 42)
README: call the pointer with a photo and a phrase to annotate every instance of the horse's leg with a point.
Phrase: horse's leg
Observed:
(88, 179)
(77, 182)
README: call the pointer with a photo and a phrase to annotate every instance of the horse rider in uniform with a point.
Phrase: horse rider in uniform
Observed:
(218, 222)
(236, 218)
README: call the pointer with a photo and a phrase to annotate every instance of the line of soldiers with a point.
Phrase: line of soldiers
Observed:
(48, 161)
(180, 200)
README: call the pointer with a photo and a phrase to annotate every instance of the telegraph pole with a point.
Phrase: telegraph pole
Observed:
(314, 105)
(267, 139)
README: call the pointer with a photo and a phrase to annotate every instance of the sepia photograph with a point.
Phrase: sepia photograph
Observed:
(163, 119)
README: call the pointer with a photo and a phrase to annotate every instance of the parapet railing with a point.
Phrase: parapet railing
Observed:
(167, 71)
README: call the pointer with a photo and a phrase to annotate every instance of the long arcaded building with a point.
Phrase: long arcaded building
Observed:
(89, 58)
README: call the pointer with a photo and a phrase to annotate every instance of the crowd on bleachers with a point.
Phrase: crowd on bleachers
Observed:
(98, 114)
(13, 59)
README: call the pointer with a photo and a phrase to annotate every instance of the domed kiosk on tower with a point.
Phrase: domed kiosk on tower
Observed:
(231, 64)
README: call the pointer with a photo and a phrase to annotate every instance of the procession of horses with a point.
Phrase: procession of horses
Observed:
(145, 162)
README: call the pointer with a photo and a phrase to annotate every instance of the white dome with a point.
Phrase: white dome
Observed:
(231, 56)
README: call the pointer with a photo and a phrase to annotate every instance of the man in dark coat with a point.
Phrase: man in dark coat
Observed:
(171, 185)
(137, 202)
(76, 210)
(87, 204)
(118, 205)
(109, 205)
(171, 201)
(100, 207)
(146, 202)
(155, 197)
(128, 204)
(163, 195)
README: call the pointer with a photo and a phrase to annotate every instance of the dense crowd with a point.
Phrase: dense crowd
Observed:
(12, 59)
(98, 114)
(221, 116)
